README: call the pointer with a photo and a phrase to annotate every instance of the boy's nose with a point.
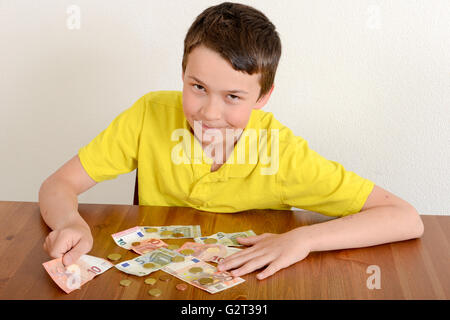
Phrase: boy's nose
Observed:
(210, 112)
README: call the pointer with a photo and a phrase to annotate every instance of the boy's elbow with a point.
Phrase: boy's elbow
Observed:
(417, 223)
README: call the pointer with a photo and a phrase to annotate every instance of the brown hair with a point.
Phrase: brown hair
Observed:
(242, 35)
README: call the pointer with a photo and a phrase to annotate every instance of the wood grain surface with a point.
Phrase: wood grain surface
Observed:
(413, 269)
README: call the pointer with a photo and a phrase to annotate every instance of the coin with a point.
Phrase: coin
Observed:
(205, 281)
(210, 240)
(149, 265)
(151, 230)
(181, 286)
(187, 252)
(125, 282)
(164, 278)
(154, 292)
(178, 235)
(166, 233)
(178, 259)
(150, 281)
(195, 270)
(114, 256)
(173, 246)
(134, 244)
(213, 250)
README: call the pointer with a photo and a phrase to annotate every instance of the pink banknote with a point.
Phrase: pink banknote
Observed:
(74, 276)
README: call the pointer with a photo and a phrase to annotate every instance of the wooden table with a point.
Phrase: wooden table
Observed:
(413, 269)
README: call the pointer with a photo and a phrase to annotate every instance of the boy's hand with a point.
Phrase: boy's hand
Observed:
(278, 251)
(70, 243)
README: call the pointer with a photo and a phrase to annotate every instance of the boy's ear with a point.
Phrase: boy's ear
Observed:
(263, 100)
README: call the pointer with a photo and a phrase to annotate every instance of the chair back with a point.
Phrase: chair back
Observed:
(136, 191)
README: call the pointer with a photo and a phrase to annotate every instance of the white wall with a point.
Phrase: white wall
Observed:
(367, 83)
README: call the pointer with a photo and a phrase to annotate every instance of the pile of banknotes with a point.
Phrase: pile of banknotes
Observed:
(188, 262)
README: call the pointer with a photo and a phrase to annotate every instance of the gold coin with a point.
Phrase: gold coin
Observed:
(150, 281)
(125, 282)
(114, 256)
(166, 233)
(154, 292)
(210, 240)
(205, 281)
(181, 286)
(149, 265)
(195, 270)
(134, 244)
(173, 246)
(187, 252)
(178, 235)
(178, 259)
(151, 230)
(164, 278)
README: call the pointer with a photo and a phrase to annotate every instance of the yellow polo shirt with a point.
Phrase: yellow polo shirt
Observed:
(282, 173)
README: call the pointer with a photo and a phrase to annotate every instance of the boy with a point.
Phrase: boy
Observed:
(230, 59)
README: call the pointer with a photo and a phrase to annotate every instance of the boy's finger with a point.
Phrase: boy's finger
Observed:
(252, 265)
(252, 240)
(270, 270)
(75, 253)
(238, 261)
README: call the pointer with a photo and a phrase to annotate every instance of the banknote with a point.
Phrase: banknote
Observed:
(74, 276)
(125, 238)
(202, 275)
(227, 239)
(148, 262)
(172, 232)
(148, 245)
(207, 252)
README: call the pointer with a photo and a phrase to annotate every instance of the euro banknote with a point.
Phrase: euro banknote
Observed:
(74, 276)
(227, 239)
(202, 275)
(148, 262)
(125, 238)
(207, 252)
(148, 245)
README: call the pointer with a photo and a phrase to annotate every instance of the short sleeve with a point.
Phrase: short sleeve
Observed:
(311, 182)
(115, 150)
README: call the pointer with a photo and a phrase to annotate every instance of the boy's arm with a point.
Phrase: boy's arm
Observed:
(59, 208)
(384, 218)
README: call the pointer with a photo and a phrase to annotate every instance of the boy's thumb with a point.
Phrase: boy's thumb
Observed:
(69, 258)
(74, 254)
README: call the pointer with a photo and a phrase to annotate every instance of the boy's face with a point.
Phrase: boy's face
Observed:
(208, 99)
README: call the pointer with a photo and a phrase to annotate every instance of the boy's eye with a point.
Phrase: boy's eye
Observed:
(199, 87)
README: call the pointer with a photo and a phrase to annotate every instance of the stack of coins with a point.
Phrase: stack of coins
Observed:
(173, 246)
(154, 292)
(150, 281)
(195, 270)
(125, 282)
(114, 256)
